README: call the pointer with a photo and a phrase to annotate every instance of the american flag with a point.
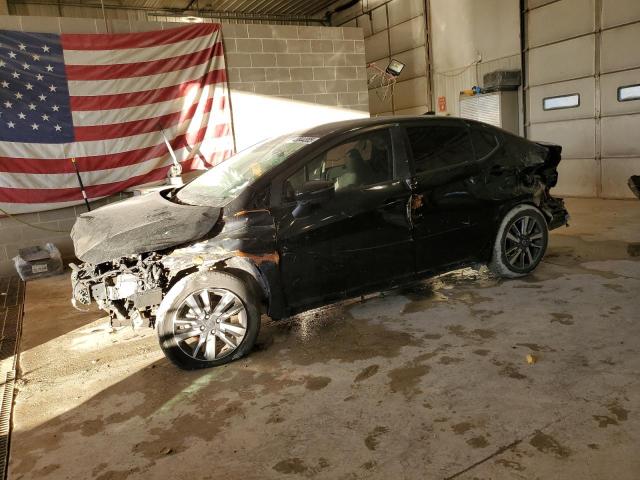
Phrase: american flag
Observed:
(105, 100)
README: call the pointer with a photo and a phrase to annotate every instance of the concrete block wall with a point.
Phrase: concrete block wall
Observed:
(394, 29)
(310, 64)
(286, 77)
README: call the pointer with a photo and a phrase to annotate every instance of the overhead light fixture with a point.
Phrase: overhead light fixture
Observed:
(395, 67)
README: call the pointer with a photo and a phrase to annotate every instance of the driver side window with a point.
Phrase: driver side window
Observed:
(358, 162)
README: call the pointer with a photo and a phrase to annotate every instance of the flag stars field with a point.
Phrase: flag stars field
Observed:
(104, 99)
(35, 86)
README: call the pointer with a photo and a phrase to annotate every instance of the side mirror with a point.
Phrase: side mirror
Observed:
(314, 192)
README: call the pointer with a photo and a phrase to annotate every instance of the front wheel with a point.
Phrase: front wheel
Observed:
(207, 319)
(520, 243)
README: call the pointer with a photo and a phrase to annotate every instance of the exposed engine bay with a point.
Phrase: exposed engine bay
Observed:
(130, 289)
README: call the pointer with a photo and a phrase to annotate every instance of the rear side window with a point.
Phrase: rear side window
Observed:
(438, 146)
(484, 141)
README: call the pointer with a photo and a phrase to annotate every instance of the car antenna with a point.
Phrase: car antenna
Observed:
(174, 174)
(82, 189)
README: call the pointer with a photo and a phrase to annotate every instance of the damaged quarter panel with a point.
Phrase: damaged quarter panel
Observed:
(467, 175)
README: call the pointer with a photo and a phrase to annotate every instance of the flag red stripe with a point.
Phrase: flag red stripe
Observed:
(33, 195)
(53, 195)
(72, 41)
(135, 99)
(108, 161)
(141, 69)
(137, 127)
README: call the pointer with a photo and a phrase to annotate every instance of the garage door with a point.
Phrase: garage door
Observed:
(583, 79)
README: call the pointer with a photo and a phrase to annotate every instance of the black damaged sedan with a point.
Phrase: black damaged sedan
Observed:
(311, 218)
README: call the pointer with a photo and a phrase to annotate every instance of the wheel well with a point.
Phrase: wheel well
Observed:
(179, 276)
(245, 272)
(257, 291)
(506, 208)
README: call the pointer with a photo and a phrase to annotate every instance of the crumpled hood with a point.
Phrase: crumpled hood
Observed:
(138, 225)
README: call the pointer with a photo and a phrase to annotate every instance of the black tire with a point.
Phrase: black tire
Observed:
(515, 254)
(169, 319)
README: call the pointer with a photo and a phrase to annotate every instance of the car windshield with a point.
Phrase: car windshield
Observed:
(229, 178)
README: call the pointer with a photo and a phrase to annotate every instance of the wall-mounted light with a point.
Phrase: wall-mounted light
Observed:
(395, 67)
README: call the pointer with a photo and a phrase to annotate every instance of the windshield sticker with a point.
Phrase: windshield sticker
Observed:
(306, 140)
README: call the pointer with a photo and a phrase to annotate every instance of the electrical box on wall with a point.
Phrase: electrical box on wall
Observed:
(498, 108)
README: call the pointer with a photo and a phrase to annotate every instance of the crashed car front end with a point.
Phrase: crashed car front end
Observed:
(123, 246)
(129, 289)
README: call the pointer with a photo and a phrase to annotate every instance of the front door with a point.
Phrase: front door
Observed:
(359, 238)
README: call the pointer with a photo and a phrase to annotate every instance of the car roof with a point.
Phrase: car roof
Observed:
(358, 123)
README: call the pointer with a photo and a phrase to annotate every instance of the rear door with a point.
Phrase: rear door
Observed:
(447, 218)
(356, 241)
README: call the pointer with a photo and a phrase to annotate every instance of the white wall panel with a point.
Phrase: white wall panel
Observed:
(379, 20)
(415, 62)
(376, 46)
(378, 103)
(615, 175)
(407, 35)
(411, 93)
(560, 20)
(364, 22)
(620, 136)
(585, 87)
(618, 12)
(412, 111)
(562, 61)
(538, 3)
(609, 84)
(577, 137)
(578, 178)
(620, 48)
(403, 10)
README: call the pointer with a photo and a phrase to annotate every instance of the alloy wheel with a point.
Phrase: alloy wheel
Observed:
(210, 324)
(524, 242)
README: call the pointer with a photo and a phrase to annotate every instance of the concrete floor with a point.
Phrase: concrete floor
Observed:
(427, 383)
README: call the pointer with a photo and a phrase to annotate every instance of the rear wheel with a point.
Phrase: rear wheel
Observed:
(520, 243)
(207, 319)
